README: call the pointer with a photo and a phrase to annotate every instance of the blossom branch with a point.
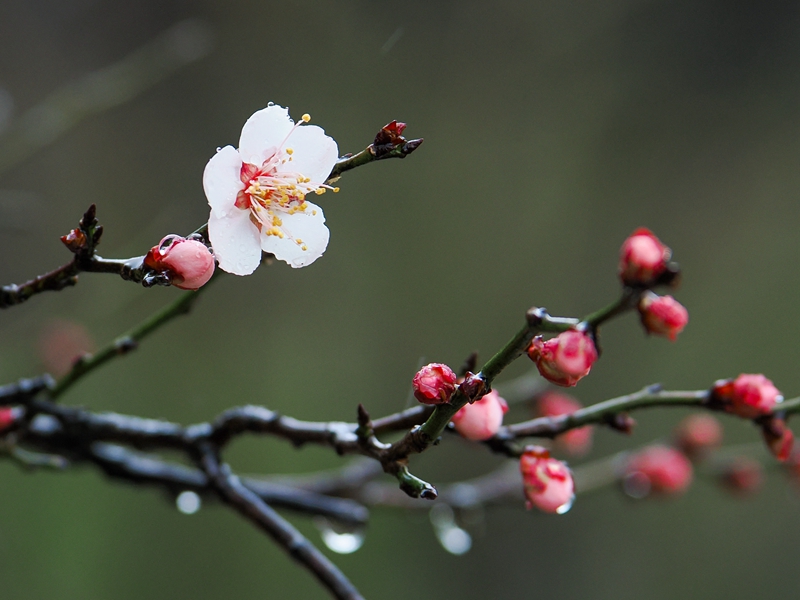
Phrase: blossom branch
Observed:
(388, 143)
(233, 492)
(474, 387)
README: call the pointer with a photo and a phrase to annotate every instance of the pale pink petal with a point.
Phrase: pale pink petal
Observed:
(235, 241)
(221, 180)
(314, 153)
(263, 133)
(309, 227)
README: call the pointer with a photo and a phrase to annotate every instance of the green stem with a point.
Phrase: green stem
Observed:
(648, 397)
(126, 342)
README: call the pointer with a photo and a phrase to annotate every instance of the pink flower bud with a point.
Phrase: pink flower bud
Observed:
(698, 434)
(434, 384)
(743, 475)
(189, 263)
(575, 441)
(565, 359)
(659, 469)
(642, 258)
(482, 419)
(748, 396)
(663, 315)
(61, 343)
(7, 417)
(547, 482)
(778, 437)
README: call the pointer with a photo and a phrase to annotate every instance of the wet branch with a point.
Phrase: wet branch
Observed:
(233, 492)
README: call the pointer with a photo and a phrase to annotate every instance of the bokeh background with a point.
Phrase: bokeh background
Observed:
(552, 130)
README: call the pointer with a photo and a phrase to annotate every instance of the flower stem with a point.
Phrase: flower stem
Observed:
(126, 342)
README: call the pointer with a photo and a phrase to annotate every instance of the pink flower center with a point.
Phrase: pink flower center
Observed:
(274, 189)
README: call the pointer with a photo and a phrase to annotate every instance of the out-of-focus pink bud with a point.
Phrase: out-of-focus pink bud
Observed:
(547, 482)
(743, 475)
(698, 434)
(748, 396)
(434, 384)
(575, 441)
(482, 419)
(793, 464)
(663, 315)
(658, 469)
(189, 263)
(7, 417)
(565, 359)
(778, 436)
(642, 258)
(61, 343)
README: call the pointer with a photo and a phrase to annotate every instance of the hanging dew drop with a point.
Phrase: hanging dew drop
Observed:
(339, 538)
(188, 502)
(455, 540)
(564, 508)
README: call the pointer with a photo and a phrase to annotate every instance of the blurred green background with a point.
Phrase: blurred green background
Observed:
(552, 130)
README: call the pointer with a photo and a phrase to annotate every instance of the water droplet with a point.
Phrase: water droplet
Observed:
(636, 485)
(270, 104)
(455, 540)
(219, 148)
(222, 213)
(188, 502)
(452, 538)
(339, 538)
(564, 508)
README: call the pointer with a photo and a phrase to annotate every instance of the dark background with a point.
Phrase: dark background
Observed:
(552, 130)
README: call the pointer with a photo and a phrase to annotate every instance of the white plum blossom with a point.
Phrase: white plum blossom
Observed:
(258, 193)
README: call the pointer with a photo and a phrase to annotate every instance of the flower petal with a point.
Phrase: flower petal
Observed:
(263, 133)
(221, 180)
(235, 241)
(303, 229)
(314, 153)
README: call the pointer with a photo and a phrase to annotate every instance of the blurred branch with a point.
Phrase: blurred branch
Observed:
(234, 493)
(180, 45)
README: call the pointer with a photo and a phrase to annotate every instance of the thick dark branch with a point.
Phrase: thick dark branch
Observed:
(231, 491)
(24, 390)
(123, 464)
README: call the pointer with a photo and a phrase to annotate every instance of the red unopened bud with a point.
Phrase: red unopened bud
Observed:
(658, 469)
(575, 441)
(642, 258)
(547, 482)
(7, 417)
(565, 359)
(743, 475)
(748, 396)
(482, 419)
(698, 434)
(434, 384)
(472, 386)
(663, 315)
(189, 263)
(75, 240)
(778, 436)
